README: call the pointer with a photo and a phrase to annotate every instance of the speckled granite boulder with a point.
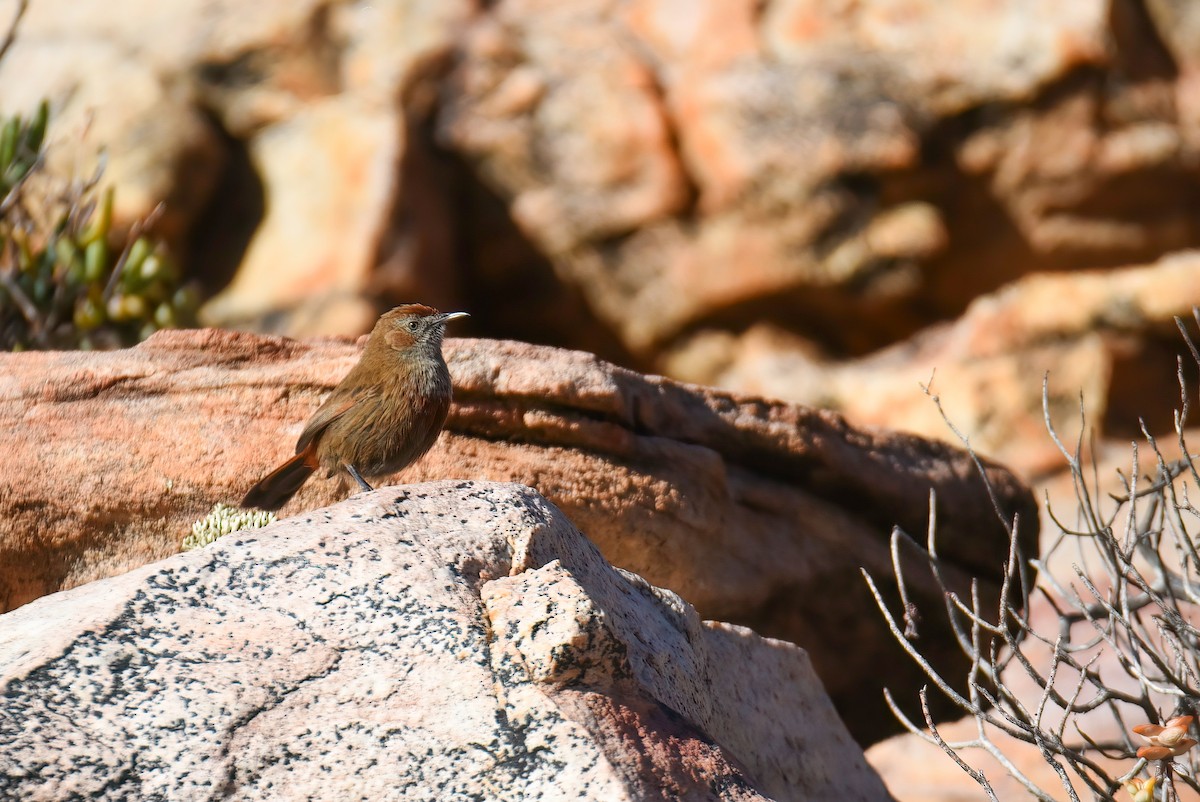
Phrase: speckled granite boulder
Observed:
(440, 641)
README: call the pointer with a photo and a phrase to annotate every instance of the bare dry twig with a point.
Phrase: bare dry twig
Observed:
(1134, 598)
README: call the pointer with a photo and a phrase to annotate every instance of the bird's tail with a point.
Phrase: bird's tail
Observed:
(274, 489)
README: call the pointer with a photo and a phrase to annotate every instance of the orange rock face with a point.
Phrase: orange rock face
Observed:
(1105, 341)
(756, 512)
(806, 137)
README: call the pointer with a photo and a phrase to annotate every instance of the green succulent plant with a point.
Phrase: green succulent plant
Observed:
(67, 278)
(21, 146)
(223, 520)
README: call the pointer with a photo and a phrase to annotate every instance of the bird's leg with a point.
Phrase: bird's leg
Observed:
(358, 478)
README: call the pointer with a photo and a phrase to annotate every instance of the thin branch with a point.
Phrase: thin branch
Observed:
(10, 36)
(977, 776)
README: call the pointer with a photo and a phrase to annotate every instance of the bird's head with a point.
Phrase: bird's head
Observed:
(413, 326)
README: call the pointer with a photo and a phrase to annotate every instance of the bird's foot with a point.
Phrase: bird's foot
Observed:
(362, 483)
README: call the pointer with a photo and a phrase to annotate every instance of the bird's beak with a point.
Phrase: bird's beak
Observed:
(448, 316)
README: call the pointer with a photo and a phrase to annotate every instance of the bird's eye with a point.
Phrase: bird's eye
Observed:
(412, 325)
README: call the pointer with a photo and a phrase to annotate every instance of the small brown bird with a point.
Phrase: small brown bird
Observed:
(385, 414)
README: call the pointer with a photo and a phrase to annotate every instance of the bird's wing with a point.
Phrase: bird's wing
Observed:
(334, 407)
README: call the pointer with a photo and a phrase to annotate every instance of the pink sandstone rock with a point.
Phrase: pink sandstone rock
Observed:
(756, 512)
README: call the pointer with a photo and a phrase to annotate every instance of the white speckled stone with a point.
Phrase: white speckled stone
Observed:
(380, 649)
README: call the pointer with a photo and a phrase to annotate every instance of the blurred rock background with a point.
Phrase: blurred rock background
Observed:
(815, 200)
(824, 201)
